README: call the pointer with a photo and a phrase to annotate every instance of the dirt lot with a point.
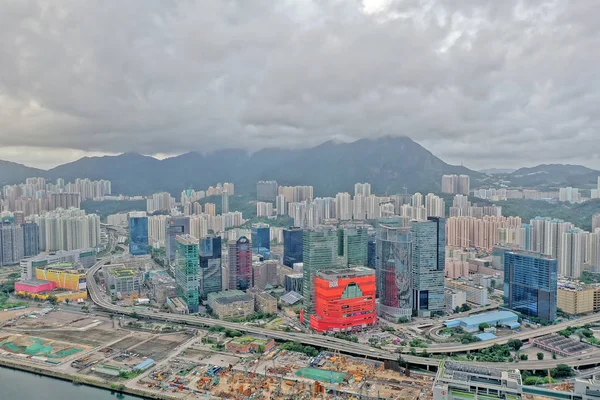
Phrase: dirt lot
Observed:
(93, 337)
(159, 347)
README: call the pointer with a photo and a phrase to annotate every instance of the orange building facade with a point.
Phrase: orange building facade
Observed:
(344, 300)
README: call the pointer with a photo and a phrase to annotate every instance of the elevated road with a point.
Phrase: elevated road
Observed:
(334, 344)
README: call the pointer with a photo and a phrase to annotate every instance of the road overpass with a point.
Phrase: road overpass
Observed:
(344, 346)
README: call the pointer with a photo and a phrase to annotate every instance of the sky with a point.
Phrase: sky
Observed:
(484, 83)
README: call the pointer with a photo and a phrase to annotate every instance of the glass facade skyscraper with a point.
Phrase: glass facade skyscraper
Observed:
(371, 252)
(174, 226)
(186, 271)
(210, 265)
(239, 258)
(428, 262)
(138, 236)
(353, 245)
(292, 246)
(261, 240)
(530, 284)
(320, 251)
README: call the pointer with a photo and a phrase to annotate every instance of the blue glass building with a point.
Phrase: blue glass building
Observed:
(210, 265)
(530, 284)
(175, 226)
(428, 262)
(292, 246)
(138, 236)
(261, 240)
(371, 252)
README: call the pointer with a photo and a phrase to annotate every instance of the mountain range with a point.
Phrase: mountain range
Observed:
(390, 164)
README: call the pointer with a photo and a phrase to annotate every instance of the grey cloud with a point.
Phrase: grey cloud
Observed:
(487, 83)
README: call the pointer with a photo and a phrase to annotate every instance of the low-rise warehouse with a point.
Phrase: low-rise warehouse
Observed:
(471, 324)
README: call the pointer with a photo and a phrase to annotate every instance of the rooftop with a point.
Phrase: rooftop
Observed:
(122, 273)
(487, 318)
(345, 272)
(187, 239)
(229, 296)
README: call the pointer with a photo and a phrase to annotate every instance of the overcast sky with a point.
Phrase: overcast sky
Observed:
(487, 83)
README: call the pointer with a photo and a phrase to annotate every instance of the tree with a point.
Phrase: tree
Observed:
(515, 344)
(403, 320)
(540, 356)
(483, 326)
(465, 307)
(524, 357)
(67, 301)
(554, 356)
(562, 371)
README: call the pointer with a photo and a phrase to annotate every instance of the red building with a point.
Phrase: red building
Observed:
(344, 300)
(34, 286)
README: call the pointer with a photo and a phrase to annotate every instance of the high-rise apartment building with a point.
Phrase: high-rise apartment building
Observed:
(594, 259)
(31, 239)
(428, 264)
(320, 251)
(186, 270)
(239, 263)
(281, 204)
(393, 266)
(546, 235)
(343, 206)
(174, 226)
(264, 209)
(595, 222)
(261, 240)
(68, 230)
(224, 202)
(573, 254)
(530, 284)
(157, 228)
(210, 209)
(436, 206)
(210, 265)
(266, 190)
(11, 244)
(569, 194)
(296, 194)
(456, 184)
(160, 202)
(138, 234)
(362, 189)
(292, 246)
(353, 242)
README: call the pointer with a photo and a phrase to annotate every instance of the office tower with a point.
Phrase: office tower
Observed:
(362, 189)
(292, 246)
(530, 284)
(174, 226)
(573, 253)
(595, 222)
(436, 206)
(31, 239)
(11, 244)
(210, 265)
(224, 202)
(239, 260)
(186, 270)
(371, 252)
(428, 263)
(320, 251)
(265, 273)
(264, 209)
(353, 245)
(343, 206)
(138, 234)
(68, 230)
(393, 266)
(449, 184)
(261, 240)
(464, 185)
(266, 190)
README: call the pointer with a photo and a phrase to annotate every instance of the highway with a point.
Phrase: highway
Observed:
(344, 346)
